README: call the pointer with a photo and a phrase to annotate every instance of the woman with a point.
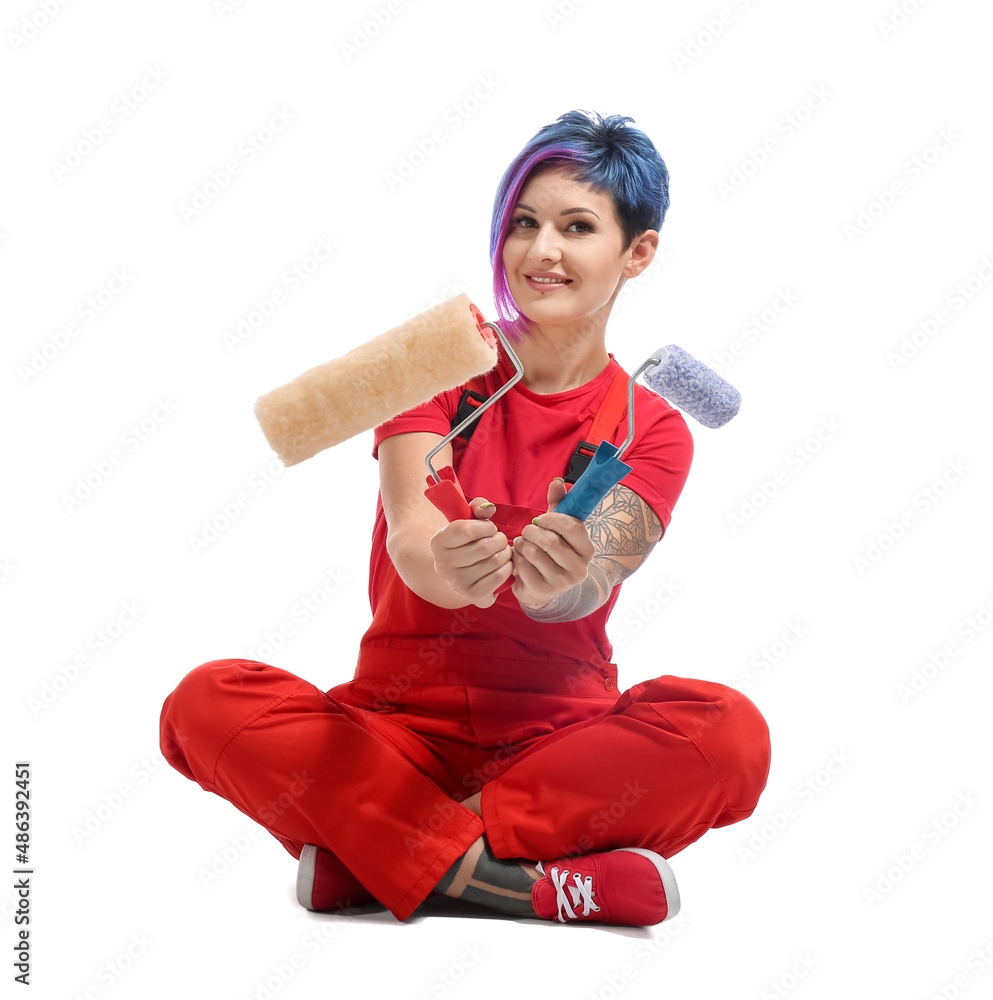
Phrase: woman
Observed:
(482, 749)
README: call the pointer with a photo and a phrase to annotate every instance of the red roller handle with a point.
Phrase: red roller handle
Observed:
(485, 332)
(448, 497)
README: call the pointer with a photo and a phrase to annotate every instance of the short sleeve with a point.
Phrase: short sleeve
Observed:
(660, 456)
(434, 416)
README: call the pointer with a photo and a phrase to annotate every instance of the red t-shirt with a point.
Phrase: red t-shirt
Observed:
(519, 445)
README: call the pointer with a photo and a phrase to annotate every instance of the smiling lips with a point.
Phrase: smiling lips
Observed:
(546, 281)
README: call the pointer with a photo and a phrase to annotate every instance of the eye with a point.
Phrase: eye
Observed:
(528, 222)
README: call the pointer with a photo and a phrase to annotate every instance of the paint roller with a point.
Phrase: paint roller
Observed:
(684, 382)
(441, 348)
(670, 371)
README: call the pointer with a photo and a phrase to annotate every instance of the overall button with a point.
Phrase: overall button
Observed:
(608, 683)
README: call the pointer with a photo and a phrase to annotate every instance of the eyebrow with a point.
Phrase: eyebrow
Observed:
(568, 211)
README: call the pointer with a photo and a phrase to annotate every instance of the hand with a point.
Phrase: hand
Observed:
(473, 557)
(552, 556)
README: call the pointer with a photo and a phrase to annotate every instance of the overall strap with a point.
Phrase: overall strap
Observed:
(605, 422)
(472, 398)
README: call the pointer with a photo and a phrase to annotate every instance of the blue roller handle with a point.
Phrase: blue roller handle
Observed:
(603, 473)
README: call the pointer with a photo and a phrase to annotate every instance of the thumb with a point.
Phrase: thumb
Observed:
(482, 508)
(557, 489)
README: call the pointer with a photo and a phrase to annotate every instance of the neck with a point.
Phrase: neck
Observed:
(557, 359)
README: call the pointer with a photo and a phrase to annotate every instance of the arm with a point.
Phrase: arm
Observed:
(623, 530)
(450, 565)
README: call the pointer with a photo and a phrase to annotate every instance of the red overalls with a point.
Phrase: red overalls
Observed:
(373, 769)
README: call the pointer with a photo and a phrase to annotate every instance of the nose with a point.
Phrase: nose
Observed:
(545, 245)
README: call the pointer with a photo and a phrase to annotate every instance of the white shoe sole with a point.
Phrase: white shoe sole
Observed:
(305, 876)
(665, 873)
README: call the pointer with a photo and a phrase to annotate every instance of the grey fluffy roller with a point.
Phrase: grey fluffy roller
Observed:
(694, 388)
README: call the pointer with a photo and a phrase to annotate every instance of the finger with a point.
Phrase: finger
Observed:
(487, 585)
(492, 547)
(556, 491)
(525, 571)
(566, 529)
(529, 585)
(458, 533)
(482, 508)
(547, 569)
(552, 552)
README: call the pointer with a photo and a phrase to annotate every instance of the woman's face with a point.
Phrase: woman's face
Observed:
(565, 231)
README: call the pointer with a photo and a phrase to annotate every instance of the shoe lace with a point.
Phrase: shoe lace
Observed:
(581, 889)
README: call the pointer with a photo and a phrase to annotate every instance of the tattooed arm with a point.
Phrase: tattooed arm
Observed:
(619, 535)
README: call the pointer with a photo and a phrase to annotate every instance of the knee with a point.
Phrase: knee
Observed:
(737, 742)
(199, 708)
(727, 729)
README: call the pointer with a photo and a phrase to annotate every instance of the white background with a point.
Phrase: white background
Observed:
(846, 508)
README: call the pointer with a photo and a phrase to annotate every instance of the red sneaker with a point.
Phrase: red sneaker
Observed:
(629, 886)
(324, 883)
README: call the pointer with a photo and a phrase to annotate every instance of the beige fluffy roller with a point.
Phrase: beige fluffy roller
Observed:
(437, 350)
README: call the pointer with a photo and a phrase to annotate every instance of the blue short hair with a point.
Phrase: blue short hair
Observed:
(603, 152)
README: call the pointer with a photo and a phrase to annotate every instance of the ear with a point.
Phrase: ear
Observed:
(641, 253)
